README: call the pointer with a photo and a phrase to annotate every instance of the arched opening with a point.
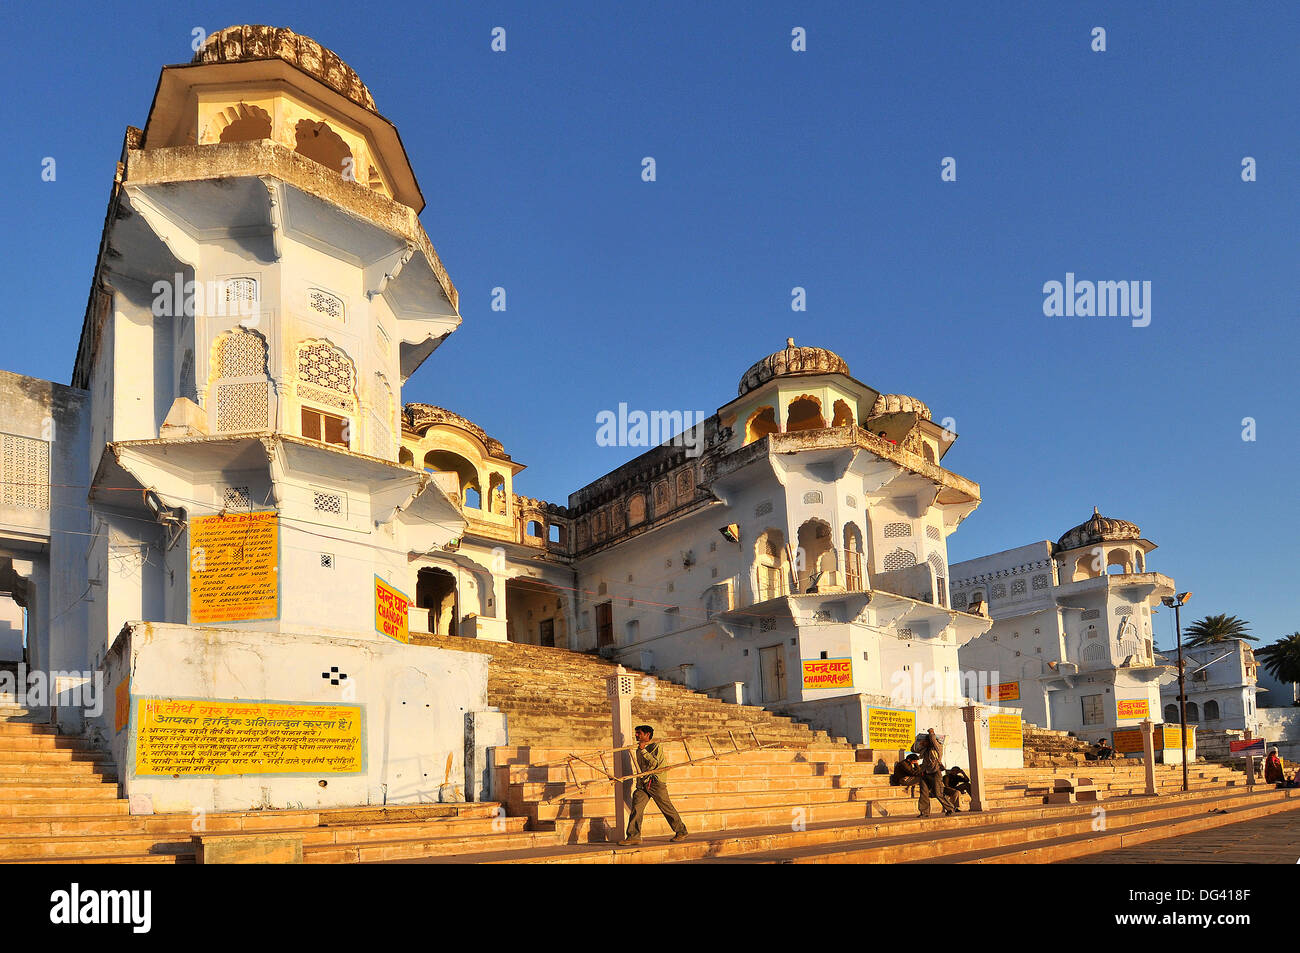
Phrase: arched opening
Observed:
(1117, 561)
(244, 123)
(1083, 567)
(816, 554)
(1211, 710)
(1140, 559)
(435, 590)
(772, 565)
(444, 461)
(853, 576)
(940, 594)
(843, 414)
(497, 493)
(1193, 712)
(804, 413)
(761, 423)
(406, 457)
(535, 613)
(534, 529)
(927, 452)
(318, 142)
(1171, 713)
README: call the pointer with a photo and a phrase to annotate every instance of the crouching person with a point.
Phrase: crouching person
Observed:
(907, 773)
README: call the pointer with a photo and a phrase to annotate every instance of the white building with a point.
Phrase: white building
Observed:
(231, 507)
(1221, 686)
(1071, 641)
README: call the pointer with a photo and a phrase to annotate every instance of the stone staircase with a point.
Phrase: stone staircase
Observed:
(59, 804)
(806, 798)
(552, 695)
(1047, 747)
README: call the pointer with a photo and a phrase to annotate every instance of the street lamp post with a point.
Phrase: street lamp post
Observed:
(1182, 684)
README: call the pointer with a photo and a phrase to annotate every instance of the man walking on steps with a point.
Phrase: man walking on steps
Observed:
(650, 786)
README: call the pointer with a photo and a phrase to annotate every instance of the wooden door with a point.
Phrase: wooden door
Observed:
(771, 665)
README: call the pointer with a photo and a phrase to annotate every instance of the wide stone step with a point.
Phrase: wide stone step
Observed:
(11, 792)
(1156, 827)
(410, 848)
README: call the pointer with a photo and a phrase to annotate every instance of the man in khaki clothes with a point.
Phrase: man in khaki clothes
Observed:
(650, 786)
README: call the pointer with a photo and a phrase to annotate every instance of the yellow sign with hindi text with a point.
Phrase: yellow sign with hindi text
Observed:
(1132, 708)
(206, 737)
(828, 673)
(1127, 740)
(890, 728)
(1173, 741)
(391, 616)
(1006, 692)
(1005, 732)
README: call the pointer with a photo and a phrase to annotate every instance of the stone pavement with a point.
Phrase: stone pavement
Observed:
(1274, 839)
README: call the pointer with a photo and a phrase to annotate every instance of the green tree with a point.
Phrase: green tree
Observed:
(1282, 658)
(1217, 628)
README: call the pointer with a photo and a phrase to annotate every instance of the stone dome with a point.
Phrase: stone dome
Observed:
(237, 44)
(1098, 529)
(899, 404)
(792, 361)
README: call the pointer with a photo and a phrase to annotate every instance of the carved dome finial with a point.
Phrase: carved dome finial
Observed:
(792, 361)
(242, 42)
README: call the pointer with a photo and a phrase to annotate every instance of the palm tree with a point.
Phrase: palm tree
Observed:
(1217, 628)
(1282, 658)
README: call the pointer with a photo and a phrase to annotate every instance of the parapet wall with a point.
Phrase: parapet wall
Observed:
(206, 719)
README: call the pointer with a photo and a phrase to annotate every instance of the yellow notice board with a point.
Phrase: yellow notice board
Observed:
(1127, 740)
(121, 704)
(1172, 740)
(391, 618)
(1132, 708)
(1005, 732)
(828, 673)
(890, 728)
(223, 737)
(234, 568)
(1006, 692)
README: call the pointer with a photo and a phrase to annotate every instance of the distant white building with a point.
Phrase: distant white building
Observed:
(1220, 686)
(1071, 639)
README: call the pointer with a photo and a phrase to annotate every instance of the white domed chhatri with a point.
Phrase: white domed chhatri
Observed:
(792, 361)
(1098, 529)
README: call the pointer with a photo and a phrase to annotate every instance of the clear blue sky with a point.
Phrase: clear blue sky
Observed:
(818, 169)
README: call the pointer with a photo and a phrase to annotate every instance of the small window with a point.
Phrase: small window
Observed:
(327, 428)
(322, 302)
(534, 528)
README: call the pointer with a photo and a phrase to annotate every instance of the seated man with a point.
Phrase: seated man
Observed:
(956, 782)
(1104, 750)
(907, 772)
